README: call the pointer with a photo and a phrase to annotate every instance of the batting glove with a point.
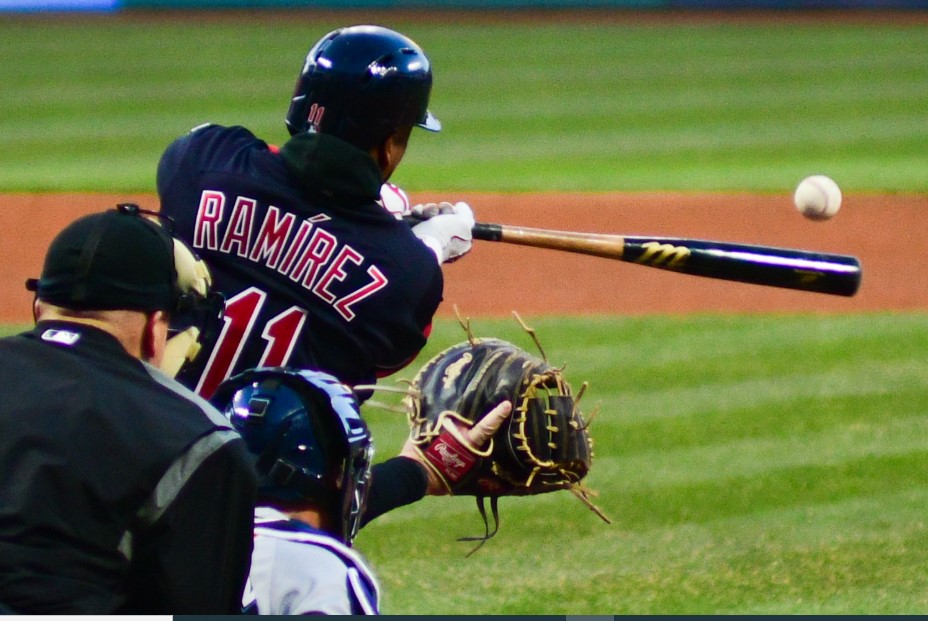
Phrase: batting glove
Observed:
(446, 229)
(395, 200)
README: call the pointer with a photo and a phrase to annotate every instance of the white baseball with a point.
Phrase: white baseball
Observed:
(817, 197)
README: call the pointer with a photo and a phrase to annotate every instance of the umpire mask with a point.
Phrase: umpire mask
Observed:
(128, 259)
(196, 318)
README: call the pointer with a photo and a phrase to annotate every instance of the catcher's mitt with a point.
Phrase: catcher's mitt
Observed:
(544, 446)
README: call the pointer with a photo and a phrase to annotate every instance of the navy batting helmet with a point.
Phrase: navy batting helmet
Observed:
(361, 84)
(309, 443)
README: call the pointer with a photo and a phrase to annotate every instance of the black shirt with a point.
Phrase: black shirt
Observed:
(121, 491)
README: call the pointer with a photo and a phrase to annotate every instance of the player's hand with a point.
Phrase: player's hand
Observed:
(477, 437)
(446, 228)
(395, 200)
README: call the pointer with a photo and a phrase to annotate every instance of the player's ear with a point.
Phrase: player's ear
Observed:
(390, 152)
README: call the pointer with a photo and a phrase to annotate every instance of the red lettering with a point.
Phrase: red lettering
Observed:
(238, 231)
(318, 250)
(209, 213)
(272, 236)
(343, 306)
(294, 249)
(336, 271)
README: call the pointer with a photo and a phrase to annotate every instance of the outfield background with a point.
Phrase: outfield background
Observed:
(755, 456)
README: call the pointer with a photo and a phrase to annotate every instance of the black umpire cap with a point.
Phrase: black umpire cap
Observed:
(112, 260)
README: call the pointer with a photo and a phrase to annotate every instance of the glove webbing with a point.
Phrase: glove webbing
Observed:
(544, 416)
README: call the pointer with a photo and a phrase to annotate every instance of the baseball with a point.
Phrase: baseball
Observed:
(817, 197)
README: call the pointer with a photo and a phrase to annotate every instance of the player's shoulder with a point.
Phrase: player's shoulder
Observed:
(275, 528)
(207, 145)
(185, 399)
(293, 531)
(212, 136)
(212, 132)
(319, 571)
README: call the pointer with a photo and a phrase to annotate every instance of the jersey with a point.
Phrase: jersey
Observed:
(316, 273)
(297, 569)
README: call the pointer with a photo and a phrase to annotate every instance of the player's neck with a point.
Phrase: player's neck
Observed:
(313, 517)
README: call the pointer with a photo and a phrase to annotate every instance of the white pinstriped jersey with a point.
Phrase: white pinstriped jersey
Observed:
(297, 569)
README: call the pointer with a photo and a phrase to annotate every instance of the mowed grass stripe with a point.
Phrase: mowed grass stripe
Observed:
(613, 106)
(774, 391)
(852, 555)
(903, 433)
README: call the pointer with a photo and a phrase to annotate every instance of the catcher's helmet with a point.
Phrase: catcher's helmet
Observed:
(309, 443)
(361, 84)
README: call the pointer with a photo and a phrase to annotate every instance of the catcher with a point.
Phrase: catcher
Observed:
(543, 447)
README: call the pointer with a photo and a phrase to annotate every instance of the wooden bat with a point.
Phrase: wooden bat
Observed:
(760, 265)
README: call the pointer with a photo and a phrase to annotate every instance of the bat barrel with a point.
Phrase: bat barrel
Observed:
(763, 265)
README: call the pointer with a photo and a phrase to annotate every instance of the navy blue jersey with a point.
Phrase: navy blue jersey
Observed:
(315, 272)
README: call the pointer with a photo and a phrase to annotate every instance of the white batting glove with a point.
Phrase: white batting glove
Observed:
(446, 229)
(395, 200)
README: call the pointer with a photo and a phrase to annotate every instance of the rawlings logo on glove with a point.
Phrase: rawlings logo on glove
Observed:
(543, 447)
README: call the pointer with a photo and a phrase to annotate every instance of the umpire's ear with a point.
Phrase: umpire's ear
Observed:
(154, 338)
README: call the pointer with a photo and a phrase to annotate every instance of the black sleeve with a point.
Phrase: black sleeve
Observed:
(395, 482)
(195, 558)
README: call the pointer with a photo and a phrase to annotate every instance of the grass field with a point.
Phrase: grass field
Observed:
(750, 465)
(594, 104)
(770, 464)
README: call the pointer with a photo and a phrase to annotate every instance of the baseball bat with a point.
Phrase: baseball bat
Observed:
(760, 265)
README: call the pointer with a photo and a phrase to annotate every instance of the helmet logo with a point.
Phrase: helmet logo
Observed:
(314, 118)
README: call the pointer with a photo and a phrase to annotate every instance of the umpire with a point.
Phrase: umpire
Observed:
(121, 492)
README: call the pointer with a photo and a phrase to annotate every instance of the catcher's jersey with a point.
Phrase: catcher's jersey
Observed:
(315, 272)
(297, 569)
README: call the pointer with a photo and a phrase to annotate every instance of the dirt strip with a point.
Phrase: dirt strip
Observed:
(885, 232)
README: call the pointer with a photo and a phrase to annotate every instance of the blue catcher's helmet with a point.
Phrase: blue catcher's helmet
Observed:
(309, 442)
(361, 84)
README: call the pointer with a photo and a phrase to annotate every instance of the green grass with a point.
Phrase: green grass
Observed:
(750, 465)
(90, 102)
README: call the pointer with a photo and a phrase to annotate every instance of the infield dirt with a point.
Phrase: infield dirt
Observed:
(886, 233)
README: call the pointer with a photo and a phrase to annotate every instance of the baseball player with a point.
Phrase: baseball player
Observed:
(316, 269)
(312, 452)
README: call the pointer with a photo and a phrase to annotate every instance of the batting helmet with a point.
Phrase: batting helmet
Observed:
(309, 443)
(361, 84)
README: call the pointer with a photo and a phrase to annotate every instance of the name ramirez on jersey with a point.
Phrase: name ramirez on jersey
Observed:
(307, 254)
